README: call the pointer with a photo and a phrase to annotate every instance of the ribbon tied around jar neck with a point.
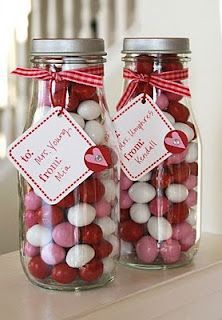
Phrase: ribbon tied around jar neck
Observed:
(91, 76)
(167, 81)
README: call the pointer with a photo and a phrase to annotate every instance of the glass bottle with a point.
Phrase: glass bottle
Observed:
(56, 251)
(160, 223)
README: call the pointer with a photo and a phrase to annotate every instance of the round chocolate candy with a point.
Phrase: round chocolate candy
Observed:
(142, 192)
(81, 214)
(159, 228)
(79, 255)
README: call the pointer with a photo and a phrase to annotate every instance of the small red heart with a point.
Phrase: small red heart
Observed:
(98, 158)
(175, 141)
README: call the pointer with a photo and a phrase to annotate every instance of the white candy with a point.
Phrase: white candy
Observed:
(115, 243)
(78, 119)
(146, 177)
(79, 255)
(89, 110)
(139, 212)
(108, 265)
(40, 113)
(126, 248)
(107, 225)
(38, 235)
(176, 192)
(142, 192)
(95, 131)
(192, 218)
(192, 152)
(110, 190)
(81, 214)
(169, 117)
(159, 228)
(186, 129)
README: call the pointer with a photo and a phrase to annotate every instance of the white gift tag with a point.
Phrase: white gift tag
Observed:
(50, 155)
(141, 129)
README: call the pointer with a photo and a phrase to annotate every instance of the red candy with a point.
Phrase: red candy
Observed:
(67, 202)
(38, 268)
(180, 172)
(131, 231)
(124, 215)
(91, 190)
(173, 96)
(84, 92)
(50, 215)
(159, 206)
(59, 97)
(161, 178)
(178, 111)
(193, 168)
(171, 65)
(103, 249)
(91, 234)
(62, 273)
(73, 100)
(91, 271)
(144, 64)
(143, 87)
(178, 212)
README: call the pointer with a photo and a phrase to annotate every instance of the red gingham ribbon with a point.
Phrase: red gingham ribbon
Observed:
(165, 81)
(92, 76)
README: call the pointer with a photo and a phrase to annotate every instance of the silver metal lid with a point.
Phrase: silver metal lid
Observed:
(156, 45)
(68, 47)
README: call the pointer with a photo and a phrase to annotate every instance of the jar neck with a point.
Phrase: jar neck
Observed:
(59, 63)
(158, 62)
(150, 63)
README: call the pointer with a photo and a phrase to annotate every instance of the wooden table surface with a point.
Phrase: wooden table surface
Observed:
(191, 292)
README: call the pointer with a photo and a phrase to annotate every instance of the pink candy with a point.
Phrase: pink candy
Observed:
(170, 251)
(181, 230)
(32, 201)
(146, 249)
(187, 242)
(159, 206)
(65, 234)
(52, 254)
(191, 182)
(162, 101)
(191, 199)
(31, 251)
(103, 208)
(125, 200)
(125, 182)
(177, 158)
(31, 218)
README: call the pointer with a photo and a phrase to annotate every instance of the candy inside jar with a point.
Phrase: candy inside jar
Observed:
(73, 244)
(160, 213)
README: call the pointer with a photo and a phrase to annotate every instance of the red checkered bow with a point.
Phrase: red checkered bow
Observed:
(92, 76)
(165, 81)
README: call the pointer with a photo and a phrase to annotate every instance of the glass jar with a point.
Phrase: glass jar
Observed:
(71, 245)
(160, 213)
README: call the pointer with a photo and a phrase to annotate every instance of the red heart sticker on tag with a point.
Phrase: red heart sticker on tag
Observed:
(98, 158)
(176, 141)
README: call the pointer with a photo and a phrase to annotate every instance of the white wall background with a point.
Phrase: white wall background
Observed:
(200, 20)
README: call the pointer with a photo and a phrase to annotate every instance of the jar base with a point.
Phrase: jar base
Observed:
(75, 287)
(132, 262)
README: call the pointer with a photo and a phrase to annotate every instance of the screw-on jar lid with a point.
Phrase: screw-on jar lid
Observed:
(68, 47)
(156, 45)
